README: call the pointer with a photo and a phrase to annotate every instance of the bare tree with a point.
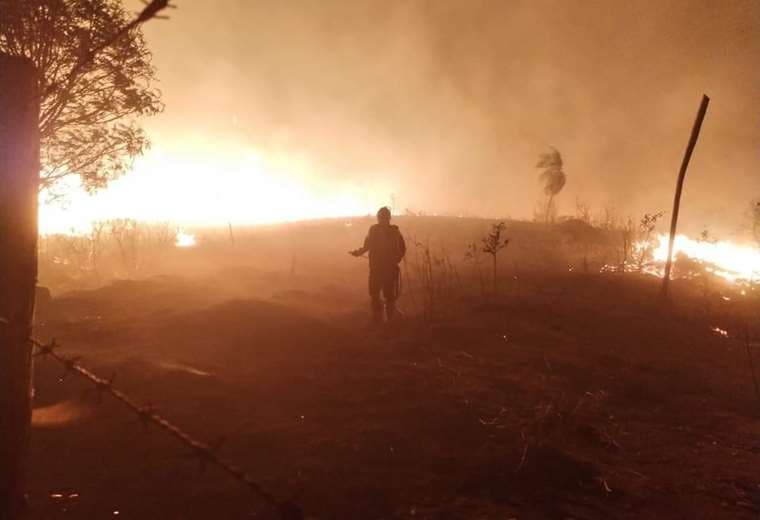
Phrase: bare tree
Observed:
(553, 179)
(608, 218)
(127, 233)
(95, 78)
(492, 244)
(582, 211)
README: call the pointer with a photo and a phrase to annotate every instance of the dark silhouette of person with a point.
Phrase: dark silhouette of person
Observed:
(386, 248)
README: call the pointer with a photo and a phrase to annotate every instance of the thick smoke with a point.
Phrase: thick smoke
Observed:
(450, 102)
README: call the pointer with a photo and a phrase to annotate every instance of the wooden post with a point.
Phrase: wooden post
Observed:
(679, 187)
(19, 184)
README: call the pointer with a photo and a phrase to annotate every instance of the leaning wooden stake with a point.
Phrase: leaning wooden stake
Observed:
(19, 179)
(679, 187)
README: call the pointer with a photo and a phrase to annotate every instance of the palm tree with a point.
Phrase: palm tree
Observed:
(552, 177)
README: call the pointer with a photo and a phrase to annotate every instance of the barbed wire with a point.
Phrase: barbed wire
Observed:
(205, 453)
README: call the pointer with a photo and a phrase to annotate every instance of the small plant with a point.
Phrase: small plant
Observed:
(492, 244)
(627, 232)
(434, 276)
(608, 218)
(702, 272)
(582, 211)
(423, 268)
(127, 233)
(75, 250)
(451, 280)
(647, 225)
(473, 255)
(155, 240)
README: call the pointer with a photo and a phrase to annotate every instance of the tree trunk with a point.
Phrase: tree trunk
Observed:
(19, 182)
(549, 207)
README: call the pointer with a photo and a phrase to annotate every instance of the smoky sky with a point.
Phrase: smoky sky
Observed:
(450, 102)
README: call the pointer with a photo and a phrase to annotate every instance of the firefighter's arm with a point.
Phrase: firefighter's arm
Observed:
(361, 250)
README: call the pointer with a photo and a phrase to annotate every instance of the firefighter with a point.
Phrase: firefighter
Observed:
(386, 248)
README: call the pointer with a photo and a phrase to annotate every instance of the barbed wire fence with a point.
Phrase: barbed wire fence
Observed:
(206, 454)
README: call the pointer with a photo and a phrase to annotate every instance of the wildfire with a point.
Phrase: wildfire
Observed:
(728, 260)
(733, 262)
(212, 184)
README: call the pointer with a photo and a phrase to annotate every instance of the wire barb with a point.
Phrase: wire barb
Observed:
(45, 349)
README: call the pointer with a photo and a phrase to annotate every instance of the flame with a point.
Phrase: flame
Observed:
(733, 262)
(728, 260)
(213, 184)
(184, 240)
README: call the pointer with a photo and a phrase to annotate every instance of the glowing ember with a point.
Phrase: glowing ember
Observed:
(185, 240)
(719, 331)
(730, 261)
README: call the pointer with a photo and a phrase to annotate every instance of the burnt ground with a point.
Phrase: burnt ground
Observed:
(578, 397)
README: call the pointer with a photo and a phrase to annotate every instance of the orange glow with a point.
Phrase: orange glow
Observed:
(199, 183)
(184, 239)
(731, 261)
